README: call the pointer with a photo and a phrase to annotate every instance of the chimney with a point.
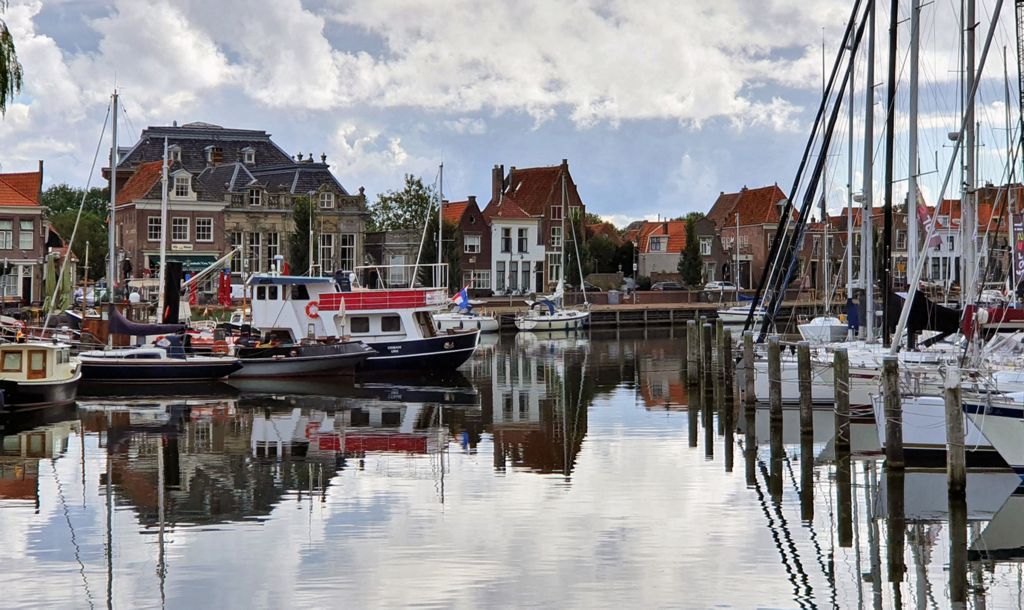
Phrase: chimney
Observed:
(471, 199)
(497, 182)
(565, 164)
(40, 180)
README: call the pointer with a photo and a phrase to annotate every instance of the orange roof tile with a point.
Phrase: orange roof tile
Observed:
(675, 230)
(754, 206)
(452, 211)
(507, 210)
(145, 176)
(20, 189)
(535, 188)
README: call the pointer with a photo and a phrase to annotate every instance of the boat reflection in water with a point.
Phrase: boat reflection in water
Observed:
(26, 439)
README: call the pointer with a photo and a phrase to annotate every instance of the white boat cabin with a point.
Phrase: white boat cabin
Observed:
(36, 361)
(296, 307)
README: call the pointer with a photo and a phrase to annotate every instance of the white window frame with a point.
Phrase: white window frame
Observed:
(153, 223)
(556, 237)
(174, 153)
(523, 240)
(705, 246)
(254, 251)
(326, 250)
(200, 230)
(471, 243)
(6, 234)
(23, 233)
(347, 249)
(254, 197)
(175, 225)
(506, 239)
(556, 212)
(554, 266)
(326, 200)
(248, 156)
(655, 243)
(236, 239)
(182, 186)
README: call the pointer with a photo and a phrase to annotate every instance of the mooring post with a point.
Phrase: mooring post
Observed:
(841, 381)
(844, 499)
(685, 341)
(775, 417)
(692, 340)
(730, 402)
(803, 370)
(956, 458)
(749, 399)
(720, 376)
(708, 395)
(893, 413)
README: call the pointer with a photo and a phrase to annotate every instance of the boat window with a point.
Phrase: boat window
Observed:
(36, 364)
(261, 293)
(12, 361)
(272, 293)
(299, 292)
(360, 324)
(390, 324)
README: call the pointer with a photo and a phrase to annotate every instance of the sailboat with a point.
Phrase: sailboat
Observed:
(549, 313)
(168, 362)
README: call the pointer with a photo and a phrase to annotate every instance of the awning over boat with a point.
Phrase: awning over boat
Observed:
(123, 326)
(924, 314)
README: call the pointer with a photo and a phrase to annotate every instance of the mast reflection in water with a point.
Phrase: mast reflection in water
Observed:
(554, 471)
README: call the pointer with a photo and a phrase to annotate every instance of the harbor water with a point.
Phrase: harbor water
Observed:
(553, 471)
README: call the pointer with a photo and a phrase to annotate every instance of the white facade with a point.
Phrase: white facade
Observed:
(517, 257)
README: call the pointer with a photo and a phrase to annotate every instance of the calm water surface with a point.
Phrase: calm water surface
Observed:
(553, 472)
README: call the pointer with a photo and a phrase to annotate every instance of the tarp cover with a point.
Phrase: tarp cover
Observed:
(123, 326)
(924, 314)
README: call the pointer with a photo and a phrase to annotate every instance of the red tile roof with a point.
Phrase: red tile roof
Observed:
(452, 211)
(507, 210)
(605, 229)
(755, 206)
(21, 189)
(674, 229)
(534, 189)
(145, 176)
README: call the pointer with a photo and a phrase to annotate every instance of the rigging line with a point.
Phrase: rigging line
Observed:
(784, 542)
(71, 527)
(78, 218)
(812, 534)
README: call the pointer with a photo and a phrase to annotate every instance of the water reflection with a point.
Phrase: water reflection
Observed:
(554, 471)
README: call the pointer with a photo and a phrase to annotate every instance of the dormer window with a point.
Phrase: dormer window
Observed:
(326, 200)
(249, 155)
(214, 155)
(174, 153)
(255, 197)
(181, 185)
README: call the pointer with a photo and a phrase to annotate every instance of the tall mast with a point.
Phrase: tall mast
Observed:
(890, 119)
(163, 238)
(867, 254)
(824, 201)
(968, 214)
(111, 233)
(849, 179)
(1008, 201)
(915, 44)
(440, 218)
(736, 248)
(562, 245)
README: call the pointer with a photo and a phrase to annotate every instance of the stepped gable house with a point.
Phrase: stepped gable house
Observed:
(537, 192)
(232, 188)
(23, 232)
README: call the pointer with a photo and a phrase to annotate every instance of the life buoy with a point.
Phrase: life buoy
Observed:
(312, 310)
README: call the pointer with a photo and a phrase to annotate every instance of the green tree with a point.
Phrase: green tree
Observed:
(603, 254)
(593, 219)
(404, 209)
(624, 257)
(10, 69)
(64, 197)
(691, 266)
(303, 213)
(576, 249)
(452, 237)
(92, 230)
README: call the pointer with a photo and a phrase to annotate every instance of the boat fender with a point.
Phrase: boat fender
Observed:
(312, 310)
(981, 316)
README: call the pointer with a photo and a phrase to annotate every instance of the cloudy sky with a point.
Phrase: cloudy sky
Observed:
(657, 105)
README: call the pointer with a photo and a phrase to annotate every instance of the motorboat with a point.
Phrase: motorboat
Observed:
(549, 314)
(737, 314)
(393, 317)
(301, 360)
(462, 317)
(37, 374)
(824, 329)
(154, 364)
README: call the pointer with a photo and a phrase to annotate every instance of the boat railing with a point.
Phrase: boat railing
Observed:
(392, 277)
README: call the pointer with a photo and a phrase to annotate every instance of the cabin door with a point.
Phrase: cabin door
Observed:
(36, 364)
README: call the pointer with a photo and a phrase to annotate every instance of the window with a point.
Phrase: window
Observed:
(255, 197)
(326, 200)
(936, 268)
(25, 234)
(952, 243)
(273, 248)
(471, 244)
(272, 293)
(481, 279)
(709, 272)
(525, 271)
(153, 228)
(499, 280)
(506, 239)
(299, 293)
(657, 245)
(556, 237)
(254, 257)
(348, 251)
(204, 229)
(214, 155)
(261, 293)
(705, 246)
(524, 242)
(174, 153)
(360, 324)
(326, 253)
(235, 239)
(556, 212)
(6, 234)
(12, 362)
(248, 156)
(513, 275)
(554, 267)
(901, 240)
(179, 229)
(391, 324)
(182, 185)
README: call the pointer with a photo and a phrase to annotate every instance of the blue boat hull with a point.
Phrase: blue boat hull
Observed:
(442, 353)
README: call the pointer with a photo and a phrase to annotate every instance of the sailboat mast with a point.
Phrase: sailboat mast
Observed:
(866, 232)
(915, 44)
(562, 244)
(890, 118)
(111, 233)
(968, 215)
(849, 179)
(824, 202)
(1010, 198)
(736, 249)
(163, 239)
(440, 218)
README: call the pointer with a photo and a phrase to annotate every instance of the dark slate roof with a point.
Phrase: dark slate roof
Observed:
(297, 178)
(193, 138)
(215, 182)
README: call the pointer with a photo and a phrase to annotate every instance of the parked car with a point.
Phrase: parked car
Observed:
(666, 286)
(720, 286)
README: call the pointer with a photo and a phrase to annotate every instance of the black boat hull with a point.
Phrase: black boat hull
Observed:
(301, 360)
(140, 371)
(22, 395)
(442, 353)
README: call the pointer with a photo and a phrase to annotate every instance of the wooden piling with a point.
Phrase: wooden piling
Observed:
(692, 340)
(708, 395)
(749, 399)
(956, 466)
(720, 376)
(803, 370)
(730, 402)
(841, 381)
(893, 414)
(684, 338)
(958, 552)
(775, 417)
(844, 499)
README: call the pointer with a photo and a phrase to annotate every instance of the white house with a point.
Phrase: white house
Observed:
(517, 251)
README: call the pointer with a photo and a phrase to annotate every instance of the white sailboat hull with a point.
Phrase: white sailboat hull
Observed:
(460, 321)
(1001, 418)
(924, 427)
(566, 319)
